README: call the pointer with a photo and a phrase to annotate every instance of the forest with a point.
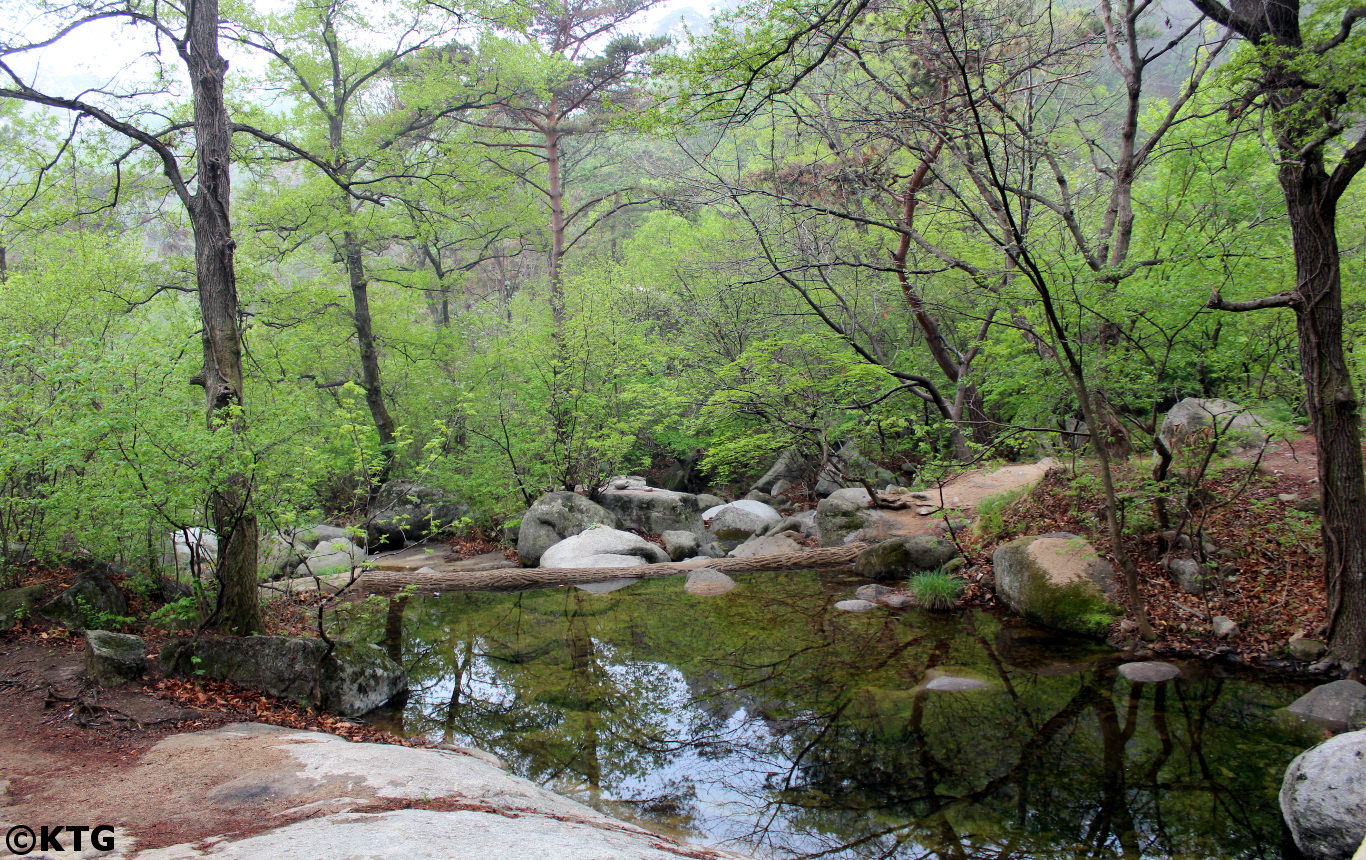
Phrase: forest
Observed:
(262, 259)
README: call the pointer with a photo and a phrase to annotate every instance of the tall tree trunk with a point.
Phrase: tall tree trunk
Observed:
(1333, 407)
(555, 193)
(369, 355)
(239, 609)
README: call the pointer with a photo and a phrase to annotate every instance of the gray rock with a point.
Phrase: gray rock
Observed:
(602, 547)
(17, 605)
(855, 605)
(277, 556)
(952, 684)
(898, 558)
(680, 544)
(607, 587)
(779, 544)
(852, 463)
(1057, 580)
(872, 592)
(1306, 650)
(554, 517)
(1190, 575)
(114, 658)
(1237, 428)
(624, 482)
(403, 511)
(707, 582)
(806, 521)
(1323, 795)
(732, 523)
(653, 511)
(352, 680)
(1309, 505)
(711, 549)
(1337, 706)
(1149, 672)
(1287, 497)
(1224, 627)
(310, 536)
(706, 501)
(898, 600)
(789, 468)
(192, 549)
(337, 555)
(92, 599)
(841, 515)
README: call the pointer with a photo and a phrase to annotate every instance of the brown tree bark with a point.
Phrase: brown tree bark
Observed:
(239, 609)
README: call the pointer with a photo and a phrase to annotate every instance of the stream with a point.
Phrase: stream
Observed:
(767, 722)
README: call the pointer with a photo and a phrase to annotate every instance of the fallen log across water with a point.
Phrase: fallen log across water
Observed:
(381, 581)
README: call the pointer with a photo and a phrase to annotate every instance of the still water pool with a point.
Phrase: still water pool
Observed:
(766, 721)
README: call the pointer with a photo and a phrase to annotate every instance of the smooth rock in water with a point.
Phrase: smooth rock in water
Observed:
(554, 517)
(607, 587)
(680, 544)
(114, 658)
(855, 605)
(592, 547)
(872, 592)
(1190, 575)
(899, 600)
(1224, 627)
(707, 582)
(898, 558)
(352, 680)
(1306, 650)
(1338, 706)
(779, 544)
(735, 522)
(1323, 798)
(403, 511)
(1149, 672)
(1237, 428)
(653, 511)
(337, 555)
(1057, 580)
(91, 596)
(951, 684)
(17, 605)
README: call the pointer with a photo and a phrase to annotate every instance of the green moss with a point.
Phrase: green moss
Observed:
(1076, 607)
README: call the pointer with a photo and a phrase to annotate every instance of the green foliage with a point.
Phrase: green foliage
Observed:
(936, 590)
(179, 614)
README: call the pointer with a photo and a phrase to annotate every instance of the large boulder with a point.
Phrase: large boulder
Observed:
(17, 605)
(1236, 427)
(350, 681)
(680, 544)
(760, 545)
(898, 558)
(404, 511)
(1338, 706)
(788, 469)
(554, 517)
(733, 523)
(649, 509)
(602, 547)
(1057, 580)
(93, 600)
(842, 515)
(338, 555)
(114, 658)
(1323, 798)
(309, 537)
(852, 463)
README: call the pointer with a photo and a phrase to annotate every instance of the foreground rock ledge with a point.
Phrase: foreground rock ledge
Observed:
(289, 775)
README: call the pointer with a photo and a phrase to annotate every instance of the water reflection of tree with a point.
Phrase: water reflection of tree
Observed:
(810, 715)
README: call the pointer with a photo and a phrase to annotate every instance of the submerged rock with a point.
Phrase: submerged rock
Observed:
(1150, 672)
(554, 517)
(953, 684)
(855, 605)
(1057, 580)
(1338, 706)
(707, 582)
(1323, 797)
(872, 592)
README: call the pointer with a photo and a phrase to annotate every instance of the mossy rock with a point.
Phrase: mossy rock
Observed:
(1058, 580)
(18, 605)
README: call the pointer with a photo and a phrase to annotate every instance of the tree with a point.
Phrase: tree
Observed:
(205, 191)
(1302, 69)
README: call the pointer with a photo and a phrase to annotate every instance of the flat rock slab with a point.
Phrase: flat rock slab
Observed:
(1337, 706)
(953, 684)
(707, 582)
(855, 605)
(1149, 672)
(415, 558)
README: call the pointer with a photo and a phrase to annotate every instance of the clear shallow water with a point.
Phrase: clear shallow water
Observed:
(767, 722)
